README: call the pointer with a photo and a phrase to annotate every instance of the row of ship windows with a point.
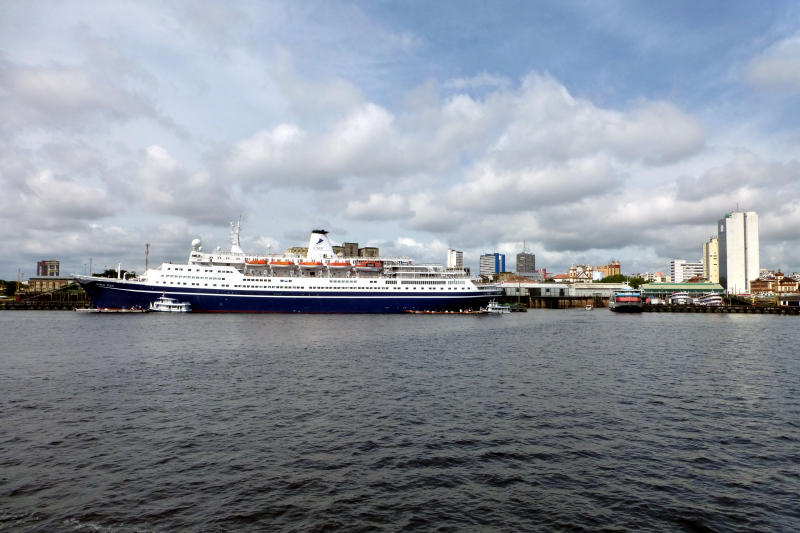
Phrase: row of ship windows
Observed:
(197, 269)
(304, 288)
(190, 277)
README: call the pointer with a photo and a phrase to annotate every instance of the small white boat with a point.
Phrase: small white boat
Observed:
(498, 308)
(588, 307)
(170, 305)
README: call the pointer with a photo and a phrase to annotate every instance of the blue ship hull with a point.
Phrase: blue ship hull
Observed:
(119, 294)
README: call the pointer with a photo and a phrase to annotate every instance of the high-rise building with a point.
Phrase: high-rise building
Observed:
(48, 268)
(526, 263)
(711, 260)
(681, 271)
(455, 258)
(739, 264)
(492, 264)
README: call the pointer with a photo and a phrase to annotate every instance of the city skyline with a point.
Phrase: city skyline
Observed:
(588, 130)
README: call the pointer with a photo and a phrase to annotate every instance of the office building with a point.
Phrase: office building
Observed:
(455, 258)
(681, 271)
(737, 235)
(526, 263)
(491, 264)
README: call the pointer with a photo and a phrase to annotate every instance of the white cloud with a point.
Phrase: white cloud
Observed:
(379, 207)
(778, 67)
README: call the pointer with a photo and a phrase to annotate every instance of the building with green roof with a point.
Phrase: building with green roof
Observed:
(663, 290)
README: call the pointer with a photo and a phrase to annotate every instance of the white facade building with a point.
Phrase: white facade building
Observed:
(738, 250)
(455, 258)
(681, 270)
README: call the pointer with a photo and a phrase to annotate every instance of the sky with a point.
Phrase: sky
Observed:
(583, 131)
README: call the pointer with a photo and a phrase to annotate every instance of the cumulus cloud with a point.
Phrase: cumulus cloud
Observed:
(164, 185)
(379, 207)
(63, 96)
(778, 67)
(745, 171)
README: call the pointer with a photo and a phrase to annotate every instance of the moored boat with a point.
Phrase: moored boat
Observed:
(626, 300)
(169, 305)
(494, 307)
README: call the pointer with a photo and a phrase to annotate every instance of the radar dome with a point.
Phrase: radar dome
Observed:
(196, 244)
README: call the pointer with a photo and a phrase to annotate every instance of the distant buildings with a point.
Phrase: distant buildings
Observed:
(583, 273)
(681, 271)
(526, 263)
(47, 277)
(455, 258)
(711, 260)
(611, 269)
(350, 249)
(48, 267)
(491, 264)
(773, 283)
(737, 234)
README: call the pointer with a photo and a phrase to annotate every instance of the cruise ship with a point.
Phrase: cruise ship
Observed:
(320, 282)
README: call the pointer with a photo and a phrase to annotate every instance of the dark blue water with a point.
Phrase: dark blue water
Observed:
(549, 420)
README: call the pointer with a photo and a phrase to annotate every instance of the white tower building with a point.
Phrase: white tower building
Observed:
(455, 258)
(738, 250)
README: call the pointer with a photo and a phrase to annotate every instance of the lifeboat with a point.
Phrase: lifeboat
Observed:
(369, 266)
(256, 261)
(281, 263)
(339, 265)
(311, 265)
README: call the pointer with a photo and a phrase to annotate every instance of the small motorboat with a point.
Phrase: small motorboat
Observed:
(497, 308)
(170, 305)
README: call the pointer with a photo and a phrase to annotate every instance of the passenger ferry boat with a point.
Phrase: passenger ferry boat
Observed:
(497, 308)
(626, 300)
(710, 299)
(321, 282)
(170, 305)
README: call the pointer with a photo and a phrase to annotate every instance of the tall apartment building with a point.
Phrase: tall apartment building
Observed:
(492, 264)
(737, 234)
(711, 260)
(50, 267)
(681, 271)
(526, 263)
(455, 258)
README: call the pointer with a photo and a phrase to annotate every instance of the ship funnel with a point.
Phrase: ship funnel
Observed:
(319, 247)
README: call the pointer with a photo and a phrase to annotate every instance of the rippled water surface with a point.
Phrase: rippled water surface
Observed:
(544, 420)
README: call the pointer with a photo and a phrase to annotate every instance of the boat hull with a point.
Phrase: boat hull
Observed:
(124, 294)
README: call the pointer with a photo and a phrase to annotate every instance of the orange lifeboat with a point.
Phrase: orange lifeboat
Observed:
(281, 263)
(339, 265)
(369, 266)
(256, 261)
(311, 265)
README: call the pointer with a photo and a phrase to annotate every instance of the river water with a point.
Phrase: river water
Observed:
(546, 420)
